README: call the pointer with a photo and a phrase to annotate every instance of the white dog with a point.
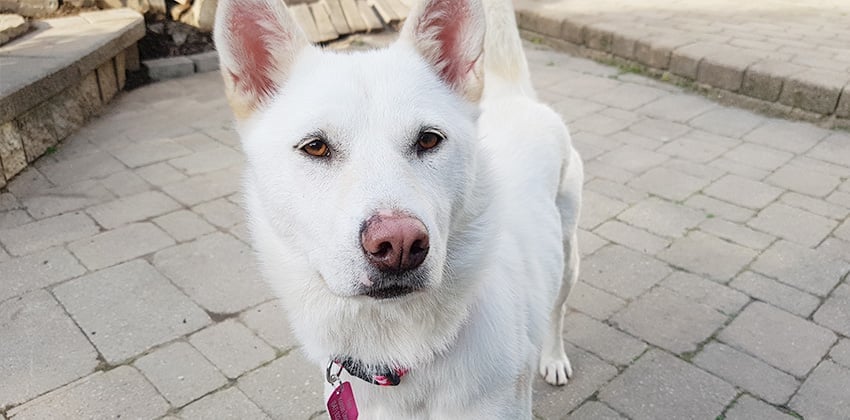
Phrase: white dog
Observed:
(414, 207)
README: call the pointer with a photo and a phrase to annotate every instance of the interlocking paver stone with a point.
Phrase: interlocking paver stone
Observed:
(217, 271)
(208, 160)
(662, 217)
(791, 136)
(64, 198)
(601, 340)
(743, 192)
(132, 209)
(228, 404)
(269, 322)
(119, 393)
(151, 310)
(160, 174)
(659, 129)
(706, 254)
(841, 352)
(148, 152)
(184, 225)
(815, 205)
(119, 245)
(660, 386)
(835, 311)
(14, 218)
(693, 150)
(713, 207)
(632, 158)
(204, 187)
(759, 156)
(37, 270)
(623, 272)
(594, 410)
(42, 348)
(550, 403)
(69, 171)
(804, 181)
(599, 208)
(775, 293)
(180, 373)
(749, 408)
(47, 233)
(736, 233)
(793, 224)
(727, 121)
(824, 394)
(686, 323)
(677, 108)
(835, 148)
(785, 341)
(289, 387)
(747, 372)
(801, 267)
(594, 302)
(221, 213)
(125, 183)
(706, 292)
(232, 348)
(669, 184)
(632, 237)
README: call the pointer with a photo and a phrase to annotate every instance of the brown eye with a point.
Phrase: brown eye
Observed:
(317, 148)
(429, 140)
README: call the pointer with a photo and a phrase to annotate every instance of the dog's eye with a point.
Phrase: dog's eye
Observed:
(317, 148)
(428, 140)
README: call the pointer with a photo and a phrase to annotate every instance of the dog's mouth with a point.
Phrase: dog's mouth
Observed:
(389, 292)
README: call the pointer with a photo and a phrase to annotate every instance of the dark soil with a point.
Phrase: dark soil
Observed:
(166, 38)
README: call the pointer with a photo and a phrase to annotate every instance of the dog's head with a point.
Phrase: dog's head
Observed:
(364, 163)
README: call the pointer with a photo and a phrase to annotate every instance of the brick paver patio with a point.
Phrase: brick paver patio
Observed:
(714, 279)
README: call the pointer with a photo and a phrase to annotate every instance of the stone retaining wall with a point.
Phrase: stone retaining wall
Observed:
(48, 92)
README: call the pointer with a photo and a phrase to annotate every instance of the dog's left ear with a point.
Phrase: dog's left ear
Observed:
(449, 34)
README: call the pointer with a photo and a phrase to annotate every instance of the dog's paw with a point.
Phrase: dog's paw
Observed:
(556, 370)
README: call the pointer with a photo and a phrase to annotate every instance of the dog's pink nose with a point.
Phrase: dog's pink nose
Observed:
(394, 242)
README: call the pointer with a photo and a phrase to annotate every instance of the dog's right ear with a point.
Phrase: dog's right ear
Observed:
(257, 42)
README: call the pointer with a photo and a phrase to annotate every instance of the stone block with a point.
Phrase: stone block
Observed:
(669, 184)
(160, 174)
(550, 402)
(815, 205)
(801, 267)
(725, 69)
(119, 245)
(169, 68)
(11, 27)
(841, 353)
(52, 201)
(602, 340)
(793, 224)
(628, 96)
(724, 299)
(804, 181)
(180, 373)
(38, 270)
(834, 149)
(201, 15)
(632, 158)
(148, 152)
(232, 347)
(42, 348)
(686, 323)
(205, 62)
(719, 208)
(785, 341)
(656, 50)
(764, 79)
(228, 404)
(107, 80)
(46, 233)
(676, 107)
(662, 217)
(120, 61)
(286, 399)
(737, 233)
(217, 271)
(103, 395)
(829, 382)
(36, 8)
(747, 408)
(747, 372)
(775, 293)
(37, 131)
(88, 94)
(269, 322)
(12, 156)
(131, 58)
(623, 272)
(660, 386)
(758, 156)
(151, 311)
(83, 168)
(183, 225)
(141, 6)
(814, 90)
(835, 311)
(205, 187)
(207, 160)
(595, 410)
(599, 36)
(743, 192)
(132, 209)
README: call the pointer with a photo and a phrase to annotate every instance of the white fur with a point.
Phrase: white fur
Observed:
(500, 200)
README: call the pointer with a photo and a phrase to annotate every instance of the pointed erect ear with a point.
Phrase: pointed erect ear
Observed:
(257, 42)
(450, 35)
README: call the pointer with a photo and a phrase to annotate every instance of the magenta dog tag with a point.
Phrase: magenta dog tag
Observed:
(341, 404)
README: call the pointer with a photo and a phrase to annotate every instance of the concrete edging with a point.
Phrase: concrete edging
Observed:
(722, 71)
